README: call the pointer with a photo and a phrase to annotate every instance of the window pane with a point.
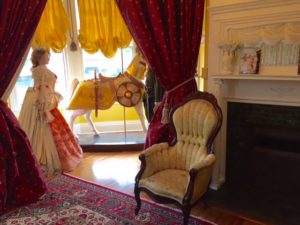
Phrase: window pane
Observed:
(57, 66)
(24, 81)
(109, 67)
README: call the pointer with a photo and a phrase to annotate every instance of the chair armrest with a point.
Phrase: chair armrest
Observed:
(207, 161)
(200, 175)
(152, 158)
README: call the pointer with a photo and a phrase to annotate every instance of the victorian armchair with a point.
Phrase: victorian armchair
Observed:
(180, 173)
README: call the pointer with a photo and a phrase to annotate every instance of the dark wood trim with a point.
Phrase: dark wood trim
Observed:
(112, 148)
(112, 141)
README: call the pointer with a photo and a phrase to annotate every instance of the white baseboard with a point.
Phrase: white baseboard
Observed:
(107, 127)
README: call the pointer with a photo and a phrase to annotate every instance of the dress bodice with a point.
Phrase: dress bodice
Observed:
(44, 87)
(42, 76)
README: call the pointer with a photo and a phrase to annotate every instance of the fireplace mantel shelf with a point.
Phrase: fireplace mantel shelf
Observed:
(257, 77)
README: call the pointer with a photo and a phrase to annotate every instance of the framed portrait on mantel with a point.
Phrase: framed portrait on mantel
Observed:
(249, 60)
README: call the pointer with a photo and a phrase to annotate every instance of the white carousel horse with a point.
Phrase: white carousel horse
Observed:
(101, 93)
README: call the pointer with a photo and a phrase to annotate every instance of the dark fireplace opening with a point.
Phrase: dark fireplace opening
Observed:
(263, 161)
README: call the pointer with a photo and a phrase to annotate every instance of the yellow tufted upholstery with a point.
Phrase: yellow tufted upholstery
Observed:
(180, 173)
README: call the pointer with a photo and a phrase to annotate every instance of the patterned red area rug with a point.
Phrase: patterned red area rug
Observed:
(74, 201)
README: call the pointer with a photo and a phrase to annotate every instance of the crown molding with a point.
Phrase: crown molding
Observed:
(255, 4)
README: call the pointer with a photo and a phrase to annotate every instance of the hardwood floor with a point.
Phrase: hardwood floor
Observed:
(117, 171)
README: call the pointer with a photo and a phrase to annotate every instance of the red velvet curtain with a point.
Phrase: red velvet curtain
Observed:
(168, 33)
(21, 180)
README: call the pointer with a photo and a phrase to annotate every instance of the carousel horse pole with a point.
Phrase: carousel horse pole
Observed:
(80, 112)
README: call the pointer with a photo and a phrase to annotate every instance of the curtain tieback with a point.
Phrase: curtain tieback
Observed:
(165, 111)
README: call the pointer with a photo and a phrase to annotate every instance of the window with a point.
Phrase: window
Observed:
(109, 67)
(75, 64)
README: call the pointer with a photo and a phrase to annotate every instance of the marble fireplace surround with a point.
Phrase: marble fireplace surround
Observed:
(275, 85)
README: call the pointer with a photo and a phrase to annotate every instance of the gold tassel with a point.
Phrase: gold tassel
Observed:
(165, 114)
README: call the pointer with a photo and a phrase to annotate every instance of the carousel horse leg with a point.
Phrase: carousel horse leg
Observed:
(139, 109)
(74, 115)
(89, 119)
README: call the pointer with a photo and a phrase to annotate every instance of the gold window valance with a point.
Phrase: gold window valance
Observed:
(53, 27)
(102, 27)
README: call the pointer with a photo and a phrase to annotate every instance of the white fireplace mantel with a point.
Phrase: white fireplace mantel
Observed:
(257, 77)
(272, 90)
(256, 89)
(276, 86)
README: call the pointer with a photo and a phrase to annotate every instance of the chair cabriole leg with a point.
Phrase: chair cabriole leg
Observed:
(138, 200)
(186, 214)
